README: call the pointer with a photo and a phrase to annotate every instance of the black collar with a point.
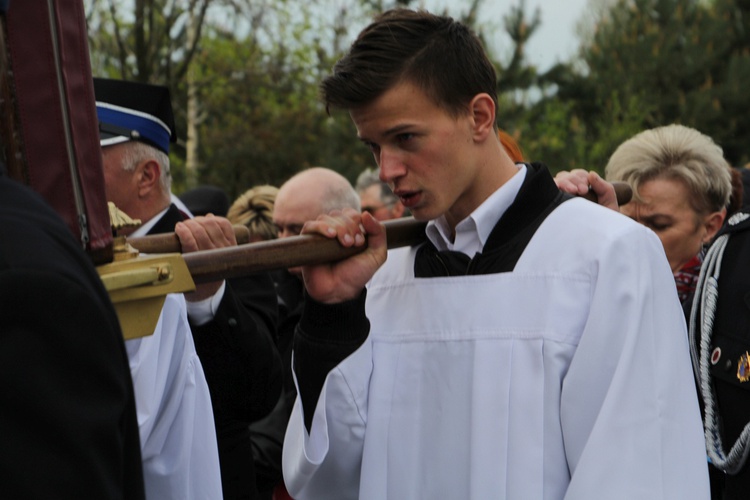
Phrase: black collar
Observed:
(168, 221)
(536, 199)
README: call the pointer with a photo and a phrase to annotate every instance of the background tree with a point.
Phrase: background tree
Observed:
(154, 41)
(251, 100)
(730, 124)
(243, 76)
(649, 63)
(144, 40)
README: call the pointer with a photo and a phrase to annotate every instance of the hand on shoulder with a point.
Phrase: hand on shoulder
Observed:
(579, 182)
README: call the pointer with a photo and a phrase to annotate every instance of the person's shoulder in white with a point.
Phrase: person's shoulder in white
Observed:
(173, 403)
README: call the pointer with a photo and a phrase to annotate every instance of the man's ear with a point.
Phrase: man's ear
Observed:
(149, 173)
(713, 222)
(482, 109)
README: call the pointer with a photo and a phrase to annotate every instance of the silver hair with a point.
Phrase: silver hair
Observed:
(370, 178)
(339, 197)
(136, 152)
(675, 152)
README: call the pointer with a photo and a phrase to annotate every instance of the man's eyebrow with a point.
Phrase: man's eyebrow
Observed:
(398, 128)
(391, 131)
(657, 215)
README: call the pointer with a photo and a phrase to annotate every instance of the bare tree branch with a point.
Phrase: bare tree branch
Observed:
(121, 51)
(195, 42)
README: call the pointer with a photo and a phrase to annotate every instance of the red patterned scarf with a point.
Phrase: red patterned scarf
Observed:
(687, 277)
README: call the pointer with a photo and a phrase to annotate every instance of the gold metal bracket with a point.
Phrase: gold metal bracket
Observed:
(138, 287)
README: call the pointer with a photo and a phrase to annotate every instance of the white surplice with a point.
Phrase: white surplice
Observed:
(175, 417)
(568, 378)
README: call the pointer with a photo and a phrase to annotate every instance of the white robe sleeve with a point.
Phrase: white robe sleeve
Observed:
(629, 412)
(331, 454)
(175, 416)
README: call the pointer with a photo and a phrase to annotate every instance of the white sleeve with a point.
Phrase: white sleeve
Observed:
(175, 417)
(331, 454)
(629, 409)
(203, 311)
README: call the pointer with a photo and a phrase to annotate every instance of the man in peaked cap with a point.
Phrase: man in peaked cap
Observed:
(142, 113)
(165, 367)
(136, 127)
(232, 324)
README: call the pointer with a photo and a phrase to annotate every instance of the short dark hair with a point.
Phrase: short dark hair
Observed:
(441, 56)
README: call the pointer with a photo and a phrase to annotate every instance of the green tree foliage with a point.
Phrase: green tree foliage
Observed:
(540, 126)
(150, 41)
(263, 120)
(654, 62)
(144, 40)
(645, 63)
(257, 68)
(516, 77)
(730, 124)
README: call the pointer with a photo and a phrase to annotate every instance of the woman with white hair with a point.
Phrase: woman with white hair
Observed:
(681, 188)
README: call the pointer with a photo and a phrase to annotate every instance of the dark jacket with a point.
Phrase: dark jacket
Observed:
(730, 343)
(242, 367)
(67, 409)
(267, 434)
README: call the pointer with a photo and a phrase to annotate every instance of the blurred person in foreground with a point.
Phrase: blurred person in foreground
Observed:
(516, 354)
(211, 366)
(68, 416)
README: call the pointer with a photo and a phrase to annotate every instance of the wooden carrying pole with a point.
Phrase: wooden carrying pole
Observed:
(170, 243)
(306, 249)
(212, 265)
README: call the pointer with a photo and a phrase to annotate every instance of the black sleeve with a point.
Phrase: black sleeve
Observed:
(243, 371)
(257, 293)
(267, 435)
(239, 357)
(325, 336)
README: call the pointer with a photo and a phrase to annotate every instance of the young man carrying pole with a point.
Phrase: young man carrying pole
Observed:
(534, 348)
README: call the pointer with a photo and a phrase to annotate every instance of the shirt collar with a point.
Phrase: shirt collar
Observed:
(473, 231)
(143, 229)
